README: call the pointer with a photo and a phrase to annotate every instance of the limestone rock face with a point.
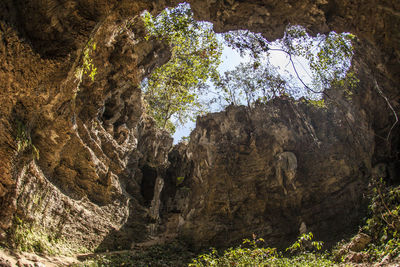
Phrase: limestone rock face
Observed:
(270, 169)
(70, 78)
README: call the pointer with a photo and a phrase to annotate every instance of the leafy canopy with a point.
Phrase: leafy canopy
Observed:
(249, 82)
(328, 58)
(172, 90)
(175, 91)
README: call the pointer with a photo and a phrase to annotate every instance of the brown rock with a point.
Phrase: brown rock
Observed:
(359, 242)
(92, 136)
(356, 257)
(297, 166)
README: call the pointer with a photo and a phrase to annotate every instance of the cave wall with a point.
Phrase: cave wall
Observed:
(270, 169)
(91, 134)
(233, 189)
(94, 140)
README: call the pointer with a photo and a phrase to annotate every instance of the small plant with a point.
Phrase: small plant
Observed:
(179, 180)
(32, 237)
(87, 66)
(185, 139)
(304, 243)
(240, 256)
(24, 140)
(29, 239)
(317, 103)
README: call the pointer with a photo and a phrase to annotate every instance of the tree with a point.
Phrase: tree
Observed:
(328, 56)
(172, 90)
(250, 82)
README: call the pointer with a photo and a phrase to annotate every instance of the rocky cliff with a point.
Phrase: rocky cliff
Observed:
(75, 141)
(80, 159)
(274, 170)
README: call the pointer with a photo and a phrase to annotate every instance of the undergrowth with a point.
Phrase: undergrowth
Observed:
(383, 225)
(304, 252)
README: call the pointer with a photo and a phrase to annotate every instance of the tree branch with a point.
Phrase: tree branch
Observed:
(390, 106)
(295, 70)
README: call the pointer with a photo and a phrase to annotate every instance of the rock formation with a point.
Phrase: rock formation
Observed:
(71, 92)
(377, 54)
(81, 160)
(269, 169)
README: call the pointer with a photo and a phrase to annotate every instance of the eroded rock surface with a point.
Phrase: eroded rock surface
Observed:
(271, 170)
(70, 92)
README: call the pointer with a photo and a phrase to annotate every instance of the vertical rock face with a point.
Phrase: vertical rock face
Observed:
(74, 139)
(228, 194)
(271, 169)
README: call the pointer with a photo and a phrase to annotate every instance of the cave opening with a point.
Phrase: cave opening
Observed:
(149, 175)
(209, 71)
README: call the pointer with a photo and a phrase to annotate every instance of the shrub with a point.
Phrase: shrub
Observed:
(255, 255)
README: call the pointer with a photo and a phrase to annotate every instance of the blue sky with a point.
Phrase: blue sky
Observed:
(231, 58)
(280, 61)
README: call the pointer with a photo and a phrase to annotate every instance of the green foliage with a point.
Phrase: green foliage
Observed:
(28, 237)
(315, 103)
(240, 256)
(305, 243)
(185, 139)
(24, 140)
(179, 180)
(383, 224)
(328, 56)
(254, 255)
(172, 90)
(246, 42)
(250, 82)
(171, 254)
(88, 67)
(305, 259)
(250, 253)
(28, 240)
(347, 84)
